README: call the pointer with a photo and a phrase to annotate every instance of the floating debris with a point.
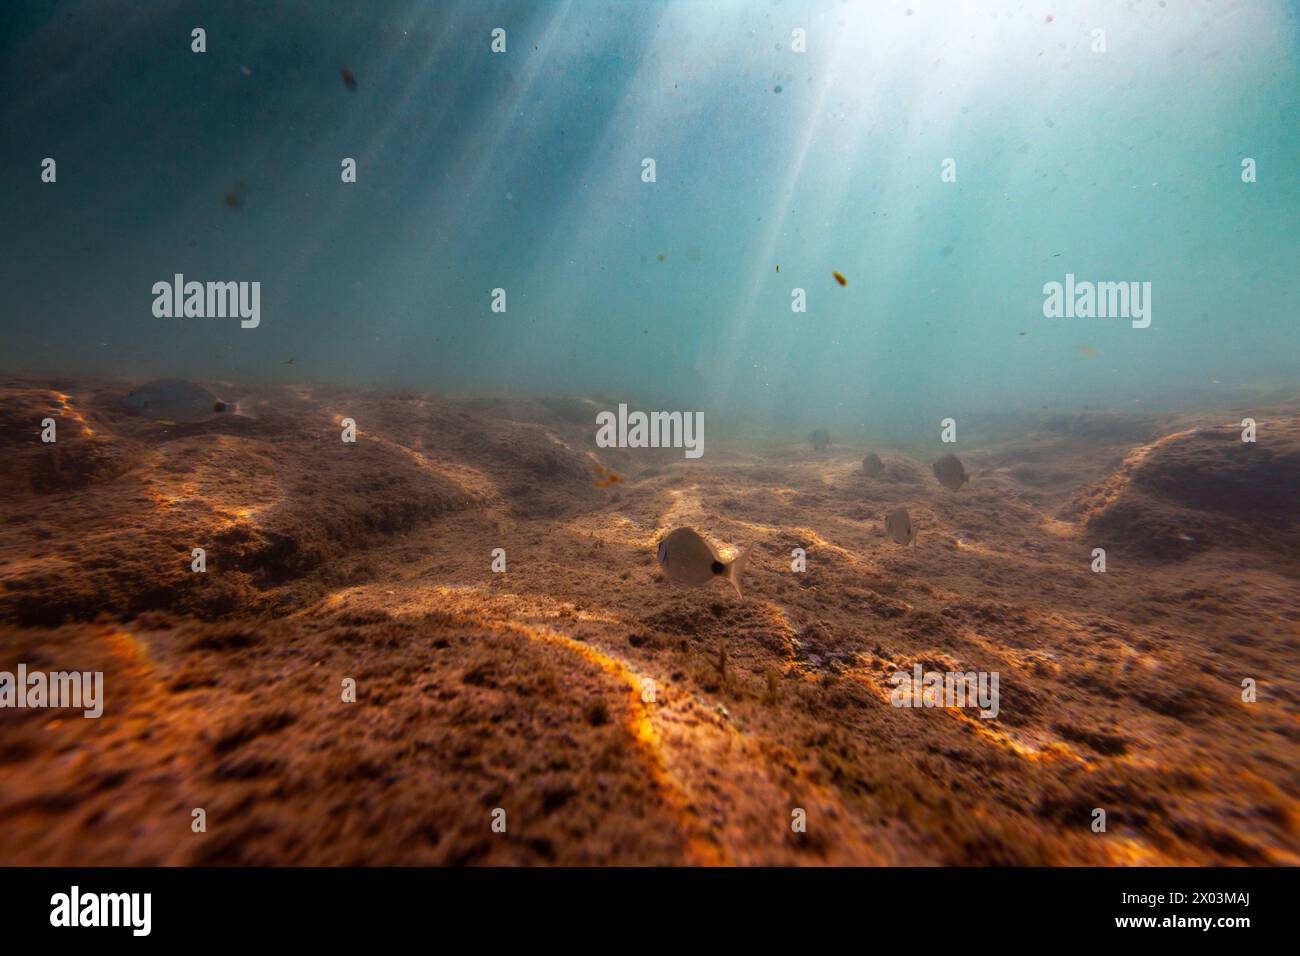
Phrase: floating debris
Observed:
(840, 278)
(607, 477)
(349, 78)
(234, 197)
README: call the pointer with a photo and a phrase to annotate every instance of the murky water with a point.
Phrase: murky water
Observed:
(662, 192)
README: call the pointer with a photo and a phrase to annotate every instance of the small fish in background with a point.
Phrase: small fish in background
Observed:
(950, 472)
(349, 78)
(840, 278)
(607, 477)
(821, 439)
(289, 362)
(661, 257)
(872, 466)
(778, 267)
(688, 559)
(898, 525)
(1087, 351)
(174, 400)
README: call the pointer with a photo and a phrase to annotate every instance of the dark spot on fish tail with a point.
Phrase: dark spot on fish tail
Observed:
(718, 567)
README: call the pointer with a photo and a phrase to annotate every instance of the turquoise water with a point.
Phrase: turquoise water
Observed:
(523, 171)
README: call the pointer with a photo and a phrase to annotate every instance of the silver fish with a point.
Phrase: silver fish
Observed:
(872, 466)
(174, 400)
(688, 559)
(950, 472)
(898, 525)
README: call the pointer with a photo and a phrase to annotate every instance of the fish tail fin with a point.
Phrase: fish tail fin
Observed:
(736, 567)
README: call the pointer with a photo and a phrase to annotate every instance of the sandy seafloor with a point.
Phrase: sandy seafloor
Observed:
(523, 690)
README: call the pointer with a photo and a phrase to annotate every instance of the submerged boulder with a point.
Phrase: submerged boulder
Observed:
(1200, 488)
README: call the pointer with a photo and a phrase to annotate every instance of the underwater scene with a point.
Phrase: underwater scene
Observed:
(650, 432)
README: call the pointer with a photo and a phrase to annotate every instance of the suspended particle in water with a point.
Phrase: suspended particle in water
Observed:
(234, 197)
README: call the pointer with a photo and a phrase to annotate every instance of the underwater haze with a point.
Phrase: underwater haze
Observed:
(652, 434)
(948, 160)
